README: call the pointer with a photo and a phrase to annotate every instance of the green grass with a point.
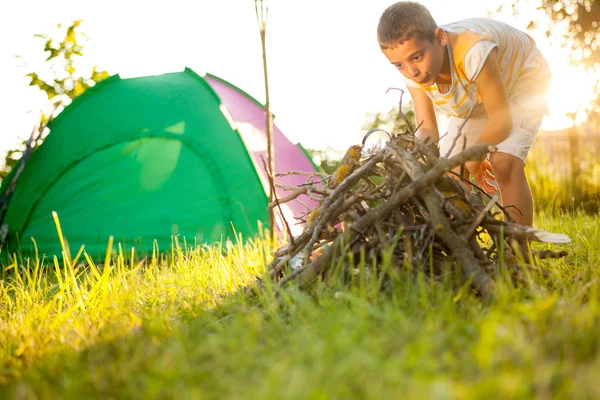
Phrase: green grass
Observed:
(177, 327)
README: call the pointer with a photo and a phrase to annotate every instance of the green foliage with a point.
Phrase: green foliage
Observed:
(391, 120)
(60, 80)
(175, 328)
(579, 23)
(328, 159)
(583, 30)
(65, 82)
(11, 158)
(565, 175)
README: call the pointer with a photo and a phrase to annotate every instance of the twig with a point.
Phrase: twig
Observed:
(456, 243)
(460, 128)
(482, 215)
(311, 183)
(305, 275)
(399, 203)
(303, 173)
(287, 198)
(304, 205)
(317, 189)
(272, 183)
(400, 113)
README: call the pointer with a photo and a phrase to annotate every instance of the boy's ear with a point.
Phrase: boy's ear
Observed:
(440, 36)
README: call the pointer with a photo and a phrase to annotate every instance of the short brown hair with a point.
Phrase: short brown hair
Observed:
(402, 21)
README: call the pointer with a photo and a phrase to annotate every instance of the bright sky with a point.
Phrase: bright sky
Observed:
(325, 68)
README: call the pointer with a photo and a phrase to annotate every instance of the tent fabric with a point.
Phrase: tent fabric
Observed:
(139, 159)
(250, 120)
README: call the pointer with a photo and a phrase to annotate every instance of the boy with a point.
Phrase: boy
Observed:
(481, 66)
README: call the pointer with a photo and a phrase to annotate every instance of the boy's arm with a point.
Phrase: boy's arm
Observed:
(499, 124)
(425, 112)
(493, 96)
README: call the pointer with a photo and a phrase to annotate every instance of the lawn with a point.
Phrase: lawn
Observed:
(177, 326)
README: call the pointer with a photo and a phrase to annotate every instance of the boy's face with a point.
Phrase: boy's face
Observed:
(419, 60)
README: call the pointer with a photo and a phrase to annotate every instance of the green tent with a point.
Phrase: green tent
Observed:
(141, 160)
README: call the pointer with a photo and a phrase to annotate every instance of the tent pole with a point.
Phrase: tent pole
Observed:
(261, 16)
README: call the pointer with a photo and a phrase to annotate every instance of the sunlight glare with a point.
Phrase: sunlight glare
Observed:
(570, 92)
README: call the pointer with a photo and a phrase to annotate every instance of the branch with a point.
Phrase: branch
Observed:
(272, 184)
(304, 276)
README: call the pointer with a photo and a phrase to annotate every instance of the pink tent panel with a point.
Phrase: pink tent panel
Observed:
(249, 117)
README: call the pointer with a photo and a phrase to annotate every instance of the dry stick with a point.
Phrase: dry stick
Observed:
(325, 216)
(311, 183)
(321, 264)
(408, 124)
(331, 213)
(298, 192)
(303, 188)
(460, 128)
(478, 251)
(457, 244)
(482, 215)
(308, 273)
(347, 183)
(276, 266)
(272, 183)
(472, 196)
(464, 139)
(373, 197)
(424, 149)
(460, 216)
(261, 18)
(439, 139)
(347, 204)
(304, 173)
(522, 232)
(313, 197)
(542, 254)
(303, 205)
(288, 198)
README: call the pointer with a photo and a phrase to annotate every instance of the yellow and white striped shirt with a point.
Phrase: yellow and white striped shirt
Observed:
(525, 73)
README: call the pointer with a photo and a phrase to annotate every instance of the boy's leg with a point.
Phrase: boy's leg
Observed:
(514, 187)
(508, 163)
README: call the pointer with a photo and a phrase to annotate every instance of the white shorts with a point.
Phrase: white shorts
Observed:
(526, 124)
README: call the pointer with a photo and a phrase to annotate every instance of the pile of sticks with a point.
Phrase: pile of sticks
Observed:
(403, 198)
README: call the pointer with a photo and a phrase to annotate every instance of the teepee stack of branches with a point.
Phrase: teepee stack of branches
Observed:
(402, 198)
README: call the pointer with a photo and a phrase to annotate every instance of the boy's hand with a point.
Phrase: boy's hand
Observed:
(482, 173)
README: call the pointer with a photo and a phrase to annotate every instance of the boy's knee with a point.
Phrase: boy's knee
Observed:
(506, 167)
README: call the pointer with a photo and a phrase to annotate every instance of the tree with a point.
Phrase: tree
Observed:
(579, 23)
(328, 159)
(390, 121)
(60, 79)
(582, 31)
